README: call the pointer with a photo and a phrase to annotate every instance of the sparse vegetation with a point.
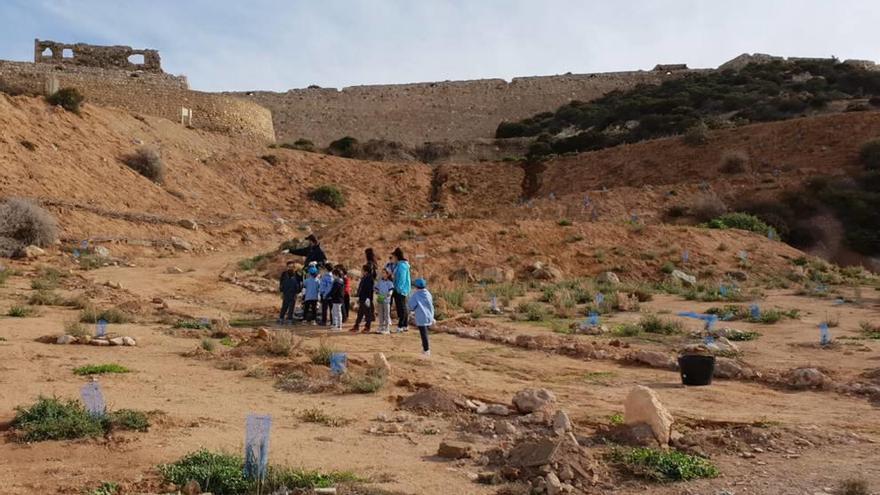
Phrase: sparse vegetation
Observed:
(854, 486)
(147, 161)
(697, 134)
(653, 324)
(368, 383)
(75, 329)
(869, 154)
(299, 144)
(56, 419)
(322, 354)
(100, 369)
(662, 465)
(223, 474)
(734, 162)
(106, 488)
(564, 222)
(92, 314)
(45, 298)
(24, 223)
(283, 343)
(347, 147)
(531, 311)
(454, 297)
(315, 415)
(330, 196)
(742, 221)
(20, 311)
(193, 324)
(270, 159)
(209, 344)
(69, 99)
(256, 262)
(869, 330)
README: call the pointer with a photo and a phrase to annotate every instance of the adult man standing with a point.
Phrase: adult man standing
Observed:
(290, 286)
(312, 252)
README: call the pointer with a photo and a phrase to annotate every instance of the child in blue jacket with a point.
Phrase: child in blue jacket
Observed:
(324, 289)
(421, 303)
(312, 294)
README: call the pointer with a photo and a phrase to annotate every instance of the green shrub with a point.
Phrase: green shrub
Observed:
(300, 144)
(283, 343)
(147, 161)
(654, 324)
(532, 311)
(69, 99)
(100, 369)
(76, 329)
(667, 267)
(315, 415)
(869, 330)
(368, 383)
(20, 312)
(257, 261)
(627, 330)
(209, 344)
(328, 195)
(54, 419)
(128, 419)
(193, 324)
(697, 134)
(45, 298)
(453, 297)
(347, 147)
(5, 273)
(663, 465)
(564, 222)
(92, 314)
(223, 474)
(106, 488)
(742, 221)
(322, 354)
(869, 154)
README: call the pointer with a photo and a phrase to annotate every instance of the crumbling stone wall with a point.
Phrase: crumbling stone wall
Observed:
(148, 93)
(106, 57)
(450, 111)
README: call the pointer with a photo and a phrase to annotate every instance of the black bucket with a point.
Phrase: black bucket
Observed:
(696, 369)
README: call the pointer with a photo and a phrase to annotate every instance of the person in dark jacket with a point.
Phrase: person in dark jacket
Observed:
(290, 286)
(372, 262)
(365, 300)
(312, 252)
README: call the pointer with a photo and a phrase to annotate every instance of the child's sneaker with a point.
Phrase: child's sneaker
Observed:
(385, 331)
(426, 354)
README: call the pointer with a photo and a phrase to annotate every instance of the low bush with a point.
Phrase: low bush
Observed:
(209, 344)
(100, 369)
(734, 162)
(56, 419)
(869, 330)
(532, 311)
(346, 147)
(20, 311)
(283, 343)
(147, 161)
(128, 419)
(454, 297)
(69, 99)
(299, 144)
(315, 415)
(854, 486)
(654, 324)
(27, 223)
(92, 314)
(697, 134)
(45, 298)
(106, 488)
(869, 154)
(223, 474)
(564, 222)
(368, 383)
(663, 465)
(193, 324)
(328, 195)
(322, 354)
(742, 221)
(75, 329)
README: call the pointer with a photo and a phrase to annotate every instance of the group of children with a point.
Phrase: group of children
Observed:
(330, 286)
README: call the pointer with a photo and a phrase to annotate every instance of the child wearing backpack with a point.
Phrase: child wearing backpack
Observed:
(312, 294)
(383, 301)
(421, 303)
(336, 296)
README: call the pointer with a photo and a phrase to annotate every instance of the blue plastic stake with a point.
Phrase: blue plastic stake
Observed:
(600, 298)
(824, 334)
(494, 303)
(723, 290)
(771, 234)
(256, 446)
(755, 312)
(101, 328)
(338, 362)
(594, 319)
(685, 256)
(93, 399)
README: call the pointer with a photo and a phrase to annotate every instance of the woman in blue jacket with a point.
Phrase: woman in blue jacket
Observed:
(401, 288)
(422, 305)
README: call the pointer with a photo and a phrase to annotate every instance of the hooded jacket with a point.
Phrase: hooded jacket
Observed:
(312, 253)
(311, 285)
(402, 283)
(365, 287)
(422, 304)
(290, 283)
(326, 285)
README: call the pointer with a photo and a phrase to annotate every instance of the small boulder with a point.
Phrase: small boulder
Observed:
(806, 378)
(738, 275)
(99, 342)
(654, 359)
(498, 410)
(533, 399)
(188, 224)
(554, 486)
(561, 422)
(688, 280)
(174, 270)
(498, 274)
(129, 341)
(454, 450)
(117, 341)
(65, 339)
(642, 405)
(505, 428)
(32, 252)
(180, 243)
(547, 273)
(609, 278)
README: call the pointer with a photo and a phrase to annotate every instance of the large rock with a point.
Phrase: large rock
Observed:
(65, 339)
(685, 279)
(380, 362)
(643, 406)
(117, 341)
(729, 368)
(807, 378)
(454, 450)
(541, 271)
(188, 224)
(129, 341)
(498, 274)
(609, 278)
(533, 399)
(561, 422)
(654, 359)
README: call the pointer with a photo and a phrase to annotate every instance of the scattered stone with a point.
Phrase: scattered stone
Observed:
(561, 422)
(587, 329)
(65, 339)
(31, 252)
(728, 368)
(129, 341)
(173, 270)
(188, 224)
(380, 362)
(99, 342)
(117, 341)
(807, 378)
(566, 473)
(505, 428)
(498, 274)
(101, 251)
(454, 450)
(642, 405)
(609, 278)
(545, 272)
(686, 279)
(641, 435)
(533, 399)
(533, 453)
(554, 486)
(489, 478)
(180, 243)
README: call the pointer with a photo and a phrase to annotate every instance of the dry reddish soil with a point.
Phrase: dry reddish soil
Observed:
(244, 206)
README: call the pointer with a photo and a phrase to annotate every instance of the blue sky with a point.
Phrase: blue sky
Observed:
(282, 44)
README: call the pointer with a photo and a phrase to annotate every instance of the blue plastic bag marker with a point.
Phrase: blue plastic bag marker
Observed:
(84, 245)
(723, 290)
(594, 319)
(338, 362)
(93, 399)
(824, 334)
(494, 303)
(685, 256)
(76, 253)
(708, 340)
(600, 298)
(101, 328)
(771, 234)
(743, 255)
(256, 446)
(755, 311)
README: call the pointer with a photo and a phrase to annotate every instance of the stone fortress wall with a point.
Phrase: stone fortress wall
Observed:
(108, 76)
(441, 111)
